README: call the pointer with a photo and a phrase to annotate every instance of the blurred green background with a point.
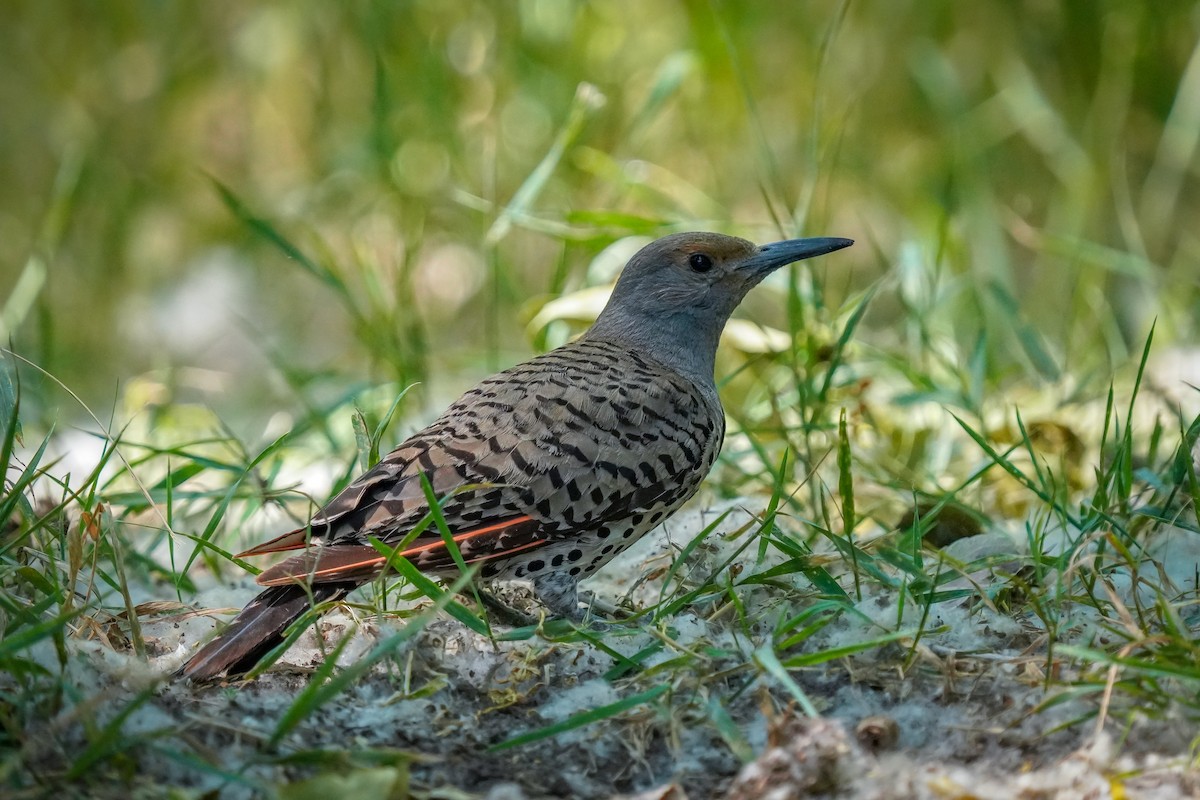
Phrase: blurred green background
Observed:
(1021, 178)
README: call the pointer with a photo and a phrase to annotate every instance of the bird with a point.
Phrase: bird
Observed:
(546, 470)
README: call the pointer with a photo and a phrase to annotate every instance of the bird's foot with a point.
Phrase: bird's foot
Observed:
(597, 605)
(504, 613)
(559, 595)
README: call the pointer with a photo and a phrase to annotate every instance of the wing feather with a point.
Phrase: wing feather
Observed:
(586, 435)
(339, 563)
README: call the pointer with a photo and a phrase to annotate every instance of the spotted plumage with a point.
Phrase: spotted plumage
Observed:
(548, 469)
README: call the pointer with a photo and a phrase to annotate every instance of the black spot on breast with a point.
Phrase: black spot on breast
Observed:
(574, 571)
(537, 565)
(608, 548)
(575, 555)
(557, 560)
(602, 532)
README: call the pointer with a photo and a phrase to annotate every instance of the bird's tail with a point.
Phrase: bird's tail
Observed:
(258, 629)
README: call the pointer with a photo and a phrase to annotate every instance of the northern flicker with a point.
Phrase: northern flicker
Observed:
(551, 467)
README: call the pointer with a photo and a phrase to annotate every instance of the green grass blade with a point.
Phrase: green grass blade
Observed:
(427, 587)
(588, 100)
(765, 658)
(111, 739)
(267, 231)
(582, 719)
(319, 692)
(834, 653)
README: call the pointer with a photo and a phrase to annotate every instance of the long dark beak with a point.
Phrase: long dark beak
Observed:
(777, 254)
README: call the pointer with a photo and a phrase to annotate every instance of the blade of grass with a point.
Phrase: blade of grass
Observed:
(846, 490)
(684, 554)
(834, 653)
(319, 692)
(588, 100)
(111, 739)
(267, 231)
(439, 520)
(585, 718)
(765, 658)
(729, 730)
(427, 587)
(293, 633)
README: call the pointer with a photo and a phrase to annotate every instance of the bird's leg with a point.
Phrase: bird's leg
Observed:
(559, 592)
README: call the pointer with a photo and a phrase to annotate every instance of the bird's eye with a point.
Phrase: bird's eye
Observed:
(700, 262)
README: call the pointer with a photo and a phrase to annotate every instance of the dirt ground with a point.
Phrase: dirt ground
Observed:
(951, 725)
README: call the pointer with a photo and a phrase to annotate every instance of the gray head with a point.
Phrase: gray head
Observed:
(676, 294)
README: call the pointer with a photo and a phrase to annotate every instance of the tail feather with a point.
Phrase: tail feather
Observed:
(257, 629)
(292, 540)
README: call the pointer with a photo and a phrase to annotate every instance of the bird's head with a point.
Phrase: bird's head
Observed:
(675, 295)
(709, 273)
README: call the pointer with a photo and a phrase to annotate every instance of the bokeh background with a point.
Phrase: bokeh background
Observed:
(1021, 178)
